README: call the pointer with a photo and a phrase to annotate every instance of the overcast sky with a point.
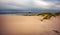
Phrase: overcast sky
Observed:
(29, 4)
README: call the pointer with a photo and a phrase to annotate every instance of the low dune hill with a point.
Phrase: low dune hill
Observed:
(29, 25)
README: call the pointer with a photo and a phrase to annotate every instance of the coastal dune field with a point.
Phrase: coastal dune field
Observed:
(29, 25)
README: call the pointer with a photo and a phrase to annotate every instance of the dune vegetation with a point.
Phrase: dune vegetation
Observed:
(46, 15)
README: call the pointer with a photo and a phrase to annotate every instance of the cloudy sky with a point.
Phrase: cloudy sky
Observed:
(29, 4)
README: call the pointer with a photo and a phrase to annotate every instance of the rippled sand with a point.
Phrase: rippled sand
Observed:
(28, 25)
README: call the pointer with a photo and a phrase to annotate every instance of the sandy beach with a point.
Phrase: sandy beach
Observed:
(28, 25)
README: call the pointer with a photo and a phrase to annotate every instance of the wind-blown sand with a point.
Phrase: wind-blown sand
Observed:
(28, 25)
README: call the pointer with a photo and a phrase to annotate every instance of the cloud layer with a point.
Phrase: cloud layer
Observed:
(30, 4)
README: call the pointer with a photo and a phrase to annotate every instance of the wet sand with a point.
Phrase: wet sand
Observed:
(28, 25)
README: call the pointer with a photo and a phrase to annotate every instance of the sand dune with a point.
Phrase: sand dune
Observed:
(28, 25)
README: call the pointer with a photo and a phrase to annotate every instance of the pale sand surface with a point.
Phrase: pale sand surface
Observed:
(28, 25)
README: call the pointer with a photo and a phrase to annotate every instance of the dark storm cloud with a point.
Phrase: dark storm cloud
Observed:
(29, 4)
